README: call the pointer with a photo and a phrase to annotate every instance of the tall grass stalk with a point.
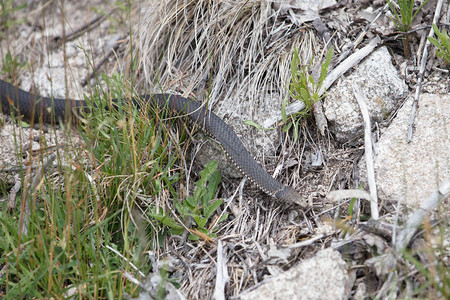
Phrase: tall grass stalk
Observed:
(404, 15)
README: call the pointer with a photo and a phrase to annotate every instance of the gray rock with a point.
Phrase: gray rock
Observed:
(323, 276)
(411, 172)
(381, 86)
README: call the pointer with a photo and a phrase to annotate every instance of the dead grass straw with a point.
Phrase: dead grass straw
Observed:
(220, 46)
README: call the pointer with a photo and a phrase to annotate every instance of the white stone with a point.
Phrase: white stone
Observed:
(381, 86)
(411, 172)
(321, 277)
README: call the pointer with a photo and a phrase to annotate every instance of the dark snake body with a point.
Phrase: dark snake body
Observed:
(31, 106)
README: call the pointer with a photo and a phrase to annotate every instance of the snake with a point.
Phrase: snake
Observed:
(30, 106)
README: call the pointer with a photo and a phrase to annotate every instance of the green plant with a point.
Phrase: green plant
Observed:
(351, 204)
(6, 10)
(81, 229)
(83, 210)
(432, 279)
(404, 14)
(11, 65)
(303, 88)
(198, 208)
(403, 17)
(442, 43)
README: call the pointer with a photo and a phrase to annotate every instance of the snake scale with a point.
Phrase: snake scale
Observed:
(28, 104)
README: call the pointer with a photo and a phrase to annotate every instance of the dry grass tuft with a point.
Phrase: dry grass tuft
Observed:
(220, 46)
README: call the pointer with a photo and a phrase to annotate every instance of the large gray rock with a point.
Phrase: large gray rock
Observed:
(323, 276)
(381, 86)
(410, 172)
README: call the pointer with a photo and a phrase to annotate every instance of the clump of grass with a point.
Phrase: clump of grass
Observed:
(304, 88)
(91, 203)
(75, 214)
(11, 65)
(218, 46)
(442, 43)
(6, 10)
(129, 140)
(404, 15)
(81, 231)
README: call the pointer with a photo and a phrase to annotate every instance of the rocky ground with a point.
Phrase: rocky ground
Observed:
(271, 250)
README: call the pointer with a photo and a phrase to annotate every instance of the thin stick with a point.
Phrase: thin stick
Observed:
(305, 243)
(13, 192)
(77, 32)
(363, 34)
(34, 187)
(368, 150)
(338, 195)
(412, 118)
(417, 217)
(222, 274)
(102, 60)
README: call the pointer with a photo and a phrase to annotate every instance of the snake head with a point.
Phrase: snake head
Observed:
(288, 194)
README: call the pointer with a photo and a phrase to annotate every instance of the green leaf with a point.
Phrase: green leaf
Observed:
(200, 221)
(324, 68)
(23, 124)
(296, 131)
(211, 188)
(209, 168)
(222, 218)
(198, 194)
(256, 125)
(210, 209)
(283, 110)
(304, 92)
(287, 126)
(176, 231)
(159, 215)
(294, 63)
(350, 206)
(435, 42)
(191, 201)
(303, 78)
(442, 43)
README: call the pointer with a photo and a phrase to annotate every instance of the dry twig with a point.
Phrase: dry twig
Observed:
(13, 192)
(423, 63)
(34, 187)
(368, 150)
(222, 273)
(417, 217)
